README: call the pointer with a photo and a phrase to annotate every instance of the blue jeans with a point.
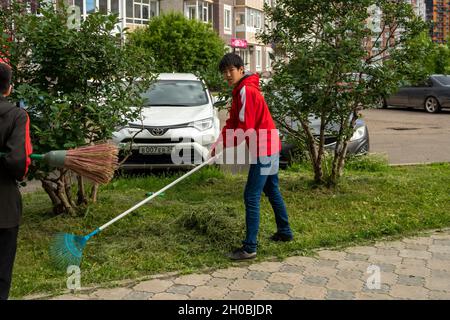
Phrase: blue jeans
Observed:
(263, 176)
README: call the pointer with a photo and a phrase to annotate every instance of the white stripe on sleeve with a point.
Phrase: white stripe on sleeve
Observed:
(243, 99)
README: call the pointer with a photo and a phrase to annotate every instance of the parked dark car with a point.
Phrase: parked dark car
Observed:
(431, 95)
(358, 144)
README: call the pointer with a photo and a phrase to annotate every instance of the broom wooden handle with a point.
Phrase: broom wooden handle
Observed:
(154, 195)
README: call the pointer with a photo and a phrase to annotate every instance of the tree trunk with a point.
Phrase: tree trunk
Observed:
(94, 192)
(81, 194)
(316, 160)
(57, 191)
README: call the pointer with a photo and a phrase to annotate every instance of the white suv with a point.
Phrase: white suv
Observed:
(177, 127)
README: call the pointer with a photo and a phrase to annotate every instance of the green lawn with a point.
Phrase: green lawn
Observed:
(197, 222)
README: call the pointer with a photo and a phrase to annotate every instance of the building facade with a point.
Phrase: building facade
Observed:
(438, 12)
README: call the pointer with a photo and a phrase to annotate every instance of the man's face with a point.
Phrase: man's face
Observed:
(232, 75)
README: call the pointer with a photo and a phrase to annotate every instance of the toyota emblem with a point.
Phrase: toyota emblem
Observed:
(158, 131)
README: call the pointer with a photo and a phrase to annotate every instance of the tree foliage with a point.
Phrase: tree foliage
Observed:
(177, 44)
(329, 72)
(78, 85)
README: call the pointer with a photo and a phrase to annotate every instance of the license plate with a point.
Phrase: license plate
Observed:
(155, 150)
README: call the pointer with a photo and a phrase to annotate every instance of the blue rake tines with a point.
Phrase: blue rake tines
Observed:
(67, 249)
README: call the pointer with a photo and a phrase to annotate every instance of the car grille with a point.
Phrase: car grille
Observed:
(157, 141)
(137, 158)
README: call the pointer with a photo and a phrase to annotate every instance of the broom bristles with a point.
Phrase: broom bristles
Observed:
(97, 163)
(66, 250)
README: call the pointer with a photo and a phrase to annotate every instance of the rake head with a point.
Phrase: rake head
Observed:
(67, 249)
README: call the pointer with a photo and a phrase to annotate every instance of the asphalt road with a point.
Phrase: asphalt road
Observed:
(409, 136)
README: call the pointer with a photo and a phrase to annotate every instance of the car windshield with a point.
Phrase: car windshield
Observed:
(443, 80)
(179, 93)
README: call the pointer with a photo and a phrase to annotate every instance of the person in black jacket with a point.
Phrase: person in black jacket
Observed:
(15, 142)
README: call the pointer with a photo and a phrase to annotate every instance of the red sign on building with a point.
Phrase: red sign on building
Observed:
(238, 43)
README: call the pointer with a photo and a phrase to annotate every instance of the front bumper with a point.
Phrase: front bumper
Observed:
(189, 147)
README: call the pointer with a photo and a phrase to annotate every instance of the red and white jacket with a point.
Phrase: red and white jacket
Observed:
(250, 119)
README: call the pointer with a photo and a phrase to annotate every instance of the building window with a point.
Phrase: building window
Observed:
(200, 10)
(258, 58)
(227, 18)
(254, 18)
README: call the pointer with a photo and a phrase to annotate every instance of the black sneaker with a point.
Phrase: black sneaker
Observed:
(281, 237)
(241, 254)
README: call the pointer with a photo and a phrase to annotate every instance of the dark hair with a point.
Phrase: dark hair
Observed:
(230, 60)
(5, 77)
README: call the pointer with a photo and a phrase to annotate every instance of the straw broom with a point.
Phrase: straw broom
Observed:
(96, 163)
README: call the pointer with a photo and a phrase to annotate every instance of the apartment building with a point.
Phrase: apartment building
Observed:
(438, 12)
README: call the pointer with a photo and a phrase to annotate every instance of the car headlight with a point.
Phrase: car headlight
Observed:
(202, 125)
(358, 134)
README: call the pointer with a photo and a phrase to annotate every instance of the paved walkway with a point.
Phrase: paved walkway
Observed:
(413, 268)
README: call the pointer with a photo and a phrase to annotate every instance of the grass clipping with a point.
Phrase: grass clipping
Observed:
(219, 223)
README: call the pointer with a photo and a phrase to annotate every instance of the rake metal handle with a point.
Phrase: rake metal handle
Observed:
(154, 195)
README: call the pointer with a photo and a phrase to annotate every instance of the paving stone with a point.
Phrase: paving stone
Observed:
(285, 277)
(70, 297)
(385, 267)
(372, 296)
(343, 284)
(266, 266)
(153, 286)
(362, 250)
(415, 246)
(419, 240)
(220, 282)
(292, 269)
(315, 281)
(436, 264)
(350, 274)
(410, 280)
(209, 292)
(169, 296)
(326, 263)
(180, 289)
(248, 285)
(138, 295)
(414, 262)
(111, 294)
(382, 289)
(230, 273)
(439, 280)
(412, 270)
(416, 254)
(441, 256)
(301, 261)
(439, 249)
(239, 295)
(257, 275)
(282, 288)
(308, 292)
(353, 265)
(339, 295)
(387, 252)
(320, 271)
(399, 245)
(270, 296)
(439, 295)
(357, 257)
(389, 278)
(193, 279)
(405, 292)
(440, 236)
(442, 242)
(331, 255)
(385, 259)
